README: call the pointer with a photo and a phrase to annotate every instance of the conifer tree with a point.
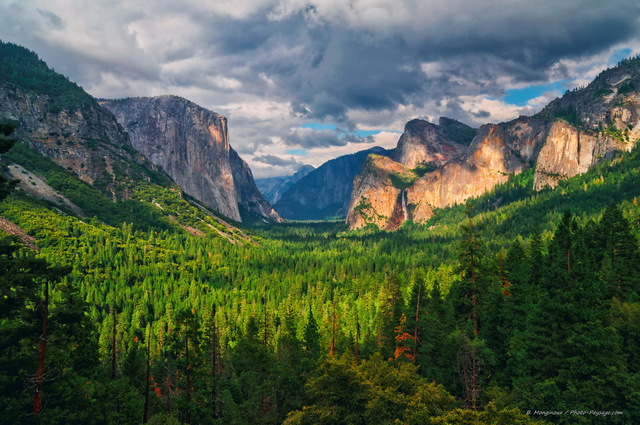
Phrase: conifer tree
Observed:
(312, 337)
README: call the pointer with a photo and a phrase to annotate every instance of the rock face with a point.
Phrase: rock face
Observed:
(84, 138)
(324, 192)
(376, 200)
(191, 144)
(272, 188)
(565, 139)
(381, 192)
(423, 143)
(250, 200)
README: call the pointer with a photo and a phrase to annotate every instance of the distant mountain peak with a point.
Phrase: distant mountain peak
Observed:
(324, 192)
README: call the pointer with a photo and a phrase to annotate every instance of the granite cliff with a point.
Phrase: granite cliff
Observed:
(380, 191)
(191, 144)
(567, 137)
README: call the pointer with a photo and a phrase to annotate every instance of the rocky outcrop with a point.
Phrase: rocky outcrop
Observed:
(84, 139)
(382, 193)
(191, 144)
(426, 144)
(565, 139)
(272, 188)
(325, 192)
(376, 199)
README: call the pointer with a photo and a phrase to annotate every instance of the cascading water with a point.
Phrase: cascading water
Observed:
(405, 210)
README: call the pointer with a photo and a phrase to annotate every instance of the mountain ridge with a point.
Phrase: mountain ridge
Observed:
(566, 138)
(59, 120)
(272, 188)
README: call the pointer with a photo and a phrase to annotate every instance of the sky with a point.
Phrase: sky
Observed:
(305, 81)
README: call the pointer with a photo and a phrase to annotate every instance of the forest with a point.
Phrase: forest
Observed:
(519, 307)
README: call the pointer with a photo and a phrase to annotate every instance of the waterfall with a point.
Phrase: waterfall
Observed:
(405, 210)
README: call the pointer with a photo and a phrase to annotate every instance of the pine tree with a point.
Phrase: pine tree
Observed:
(312, 337)
(468, 298)
(619, 256)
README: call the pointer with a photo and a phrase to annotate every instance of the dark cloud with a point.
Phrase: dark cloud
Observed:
(328, 68)
(482, 114)
(311, 138)
(278, 161)
(352, 138)
(53, 19)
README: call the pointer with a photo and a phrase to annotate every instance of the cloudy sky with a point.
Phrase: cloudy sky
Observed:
(304, 81)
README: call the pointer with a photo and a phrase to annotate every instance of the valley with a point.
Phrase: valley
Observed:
(472, 276)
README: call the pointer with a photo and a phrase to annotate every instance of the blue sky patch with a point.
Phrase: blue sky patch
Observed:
(521, 96)
(300, 152)
(365, 133)
(318, 126)
(618, 55)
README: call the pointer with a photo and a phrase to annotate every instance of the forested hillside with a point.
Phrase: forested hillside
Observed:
(519, 300)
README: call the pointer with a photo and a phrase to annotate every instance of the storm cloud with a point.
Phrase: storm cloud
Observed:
(278, 161)
(273, 66)
(312, 138)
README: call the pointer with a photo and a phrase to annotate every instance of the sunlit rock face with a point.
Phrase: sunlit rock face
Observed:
(191, 144)
(423, 143)
(566, 138)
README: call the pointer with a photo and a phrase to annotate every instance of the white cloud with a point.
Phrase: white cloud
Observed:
(498, 110)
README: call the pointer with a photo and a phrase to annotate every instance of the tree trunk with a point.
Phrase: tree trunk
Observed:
(357, 339)
(145, 416)
(415, 328)
(42, 351)
(188, 373)
(113, 344)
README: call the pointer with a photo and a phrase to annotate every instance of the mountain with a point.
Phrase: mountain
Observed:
(191, 144)
(566, 138)
(126, 313)
(57, 119)
(324, 192)
(272, 188)
(73, 155)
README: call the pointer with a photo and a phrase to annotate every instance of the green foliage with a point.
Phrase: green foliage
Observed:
(627, 87)
(376, 392)
(424, 168)
(6, 143)
(621, 135)
(459, 133)
(403, 180)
